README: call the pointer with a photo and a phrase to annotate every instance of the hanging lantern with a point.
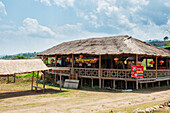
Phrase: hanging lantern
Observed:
(46, 58)
(161, 62)
(116, 59)
(68, 58)
(139, 63)
(152, 62)
(81, 56)
(95, 59)
(52, 60)
(59, 58)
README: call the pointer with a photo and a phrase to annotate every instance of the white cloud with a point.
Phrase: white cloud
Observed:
(2, 9)
(33, 28)
(47, 2)
(64, 3)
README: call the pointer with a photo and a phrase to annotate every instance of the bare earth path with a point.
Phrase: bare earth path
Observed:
(73, 101)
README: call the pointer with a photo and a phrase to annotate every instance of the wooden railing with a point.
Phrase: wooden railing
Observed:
(117, 73)
(86, 71)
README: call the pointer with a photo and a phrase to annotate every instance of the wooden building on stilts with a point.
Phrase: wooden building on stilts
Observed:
(107, 61)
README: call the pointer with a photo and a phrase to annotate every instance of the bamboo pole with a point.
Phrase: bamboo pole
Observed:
(156, 67)
(100, 81)
(32, 81)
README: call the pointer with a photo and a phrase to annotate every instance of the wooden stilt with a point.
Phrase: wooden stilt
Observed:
(60, 80)
(55, 79)
(92, 82)
(100, 81)
(137, 83)
(125, 84)
(146, 85)
(43, 82)
(37, 81)
(152, 84)
(103, 83)
(156, 67)
(159, 84)
(114, 87)
(14, 79)
(167, 82)
(141, 85)
(32, 81)
(81, 82)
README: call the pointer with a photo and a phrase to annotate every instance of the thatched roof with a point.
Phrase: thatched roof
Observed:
(10, 67)
(115, 45)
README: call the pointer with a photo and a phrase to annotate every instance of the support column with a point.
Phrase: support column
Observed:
(125, 84)
(81, 82)
(141, 85)
(14, 78)
(159, 84)
(55, 79)
(32, 81)
(137, 83)
(167, 82)
(43, 81)
(72, 64)
(92, 82)
(114, 84)
(100, 81)
(103, 83)
(156, 67)
(37, 81)
(55, 60)
(146, 85)
(60, 80)
(152, 84)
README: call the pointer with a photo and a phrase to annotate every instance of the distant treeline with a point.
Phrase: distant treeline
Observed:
(158, 43)
(21, 56)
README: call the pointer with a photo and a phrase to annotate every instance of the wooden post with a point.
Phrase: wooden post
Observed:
(55, 60)
(55, 79)
(137, 83)
(32, 81)
(103, 83)
(167, 82)
(7, 79)
(37, 80)
(81, 82)
(14, 78)
(60, 80)
(159, 84)
(141, 85)
(136, 59)
(152, 84)
(43, 81)
(72, 64)
(99, 72)
(146, 85)
(92, 82)
(114, 84)
(125, 84)
(156, 67)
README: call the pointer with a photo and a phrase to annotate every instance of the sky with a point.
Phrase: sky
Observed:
(36, 25)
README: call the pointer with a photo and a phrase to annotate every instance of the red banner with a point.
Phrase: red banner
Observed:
(137, 72)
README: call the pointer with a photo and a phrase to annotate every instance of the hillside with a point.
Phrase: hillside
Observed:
(24, 55)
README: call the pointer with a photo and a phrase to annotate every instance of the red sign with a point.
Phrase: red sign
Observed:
(137, 71)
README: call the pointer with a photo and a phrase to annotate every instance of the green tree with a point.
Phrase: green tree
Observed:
(166, 38)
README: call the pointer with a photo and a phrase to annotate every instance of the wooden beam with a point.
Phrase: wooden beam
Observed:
(156, 67)
(37, 81)
(32, 81)
(100, 81)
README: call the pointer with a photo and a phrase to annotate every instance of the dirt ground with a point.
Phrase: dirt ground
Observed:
(17, 98)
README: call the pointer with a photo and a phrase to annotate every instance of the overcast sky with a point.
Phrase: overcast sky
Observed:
(36, 25)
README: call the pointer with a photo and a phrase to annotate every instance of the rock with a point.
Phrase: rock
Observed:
(141, 111)
(147, 110)
(156, 107)
(136, 110)
(168, 104)
(161, 106)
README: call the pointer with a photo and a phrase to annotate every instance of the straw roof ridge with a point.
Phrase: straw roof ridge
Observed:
(113, 45)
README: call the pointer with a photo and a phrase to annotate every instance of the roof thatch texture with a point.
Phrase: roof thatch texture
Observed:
(115, 45)
(10, 67)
